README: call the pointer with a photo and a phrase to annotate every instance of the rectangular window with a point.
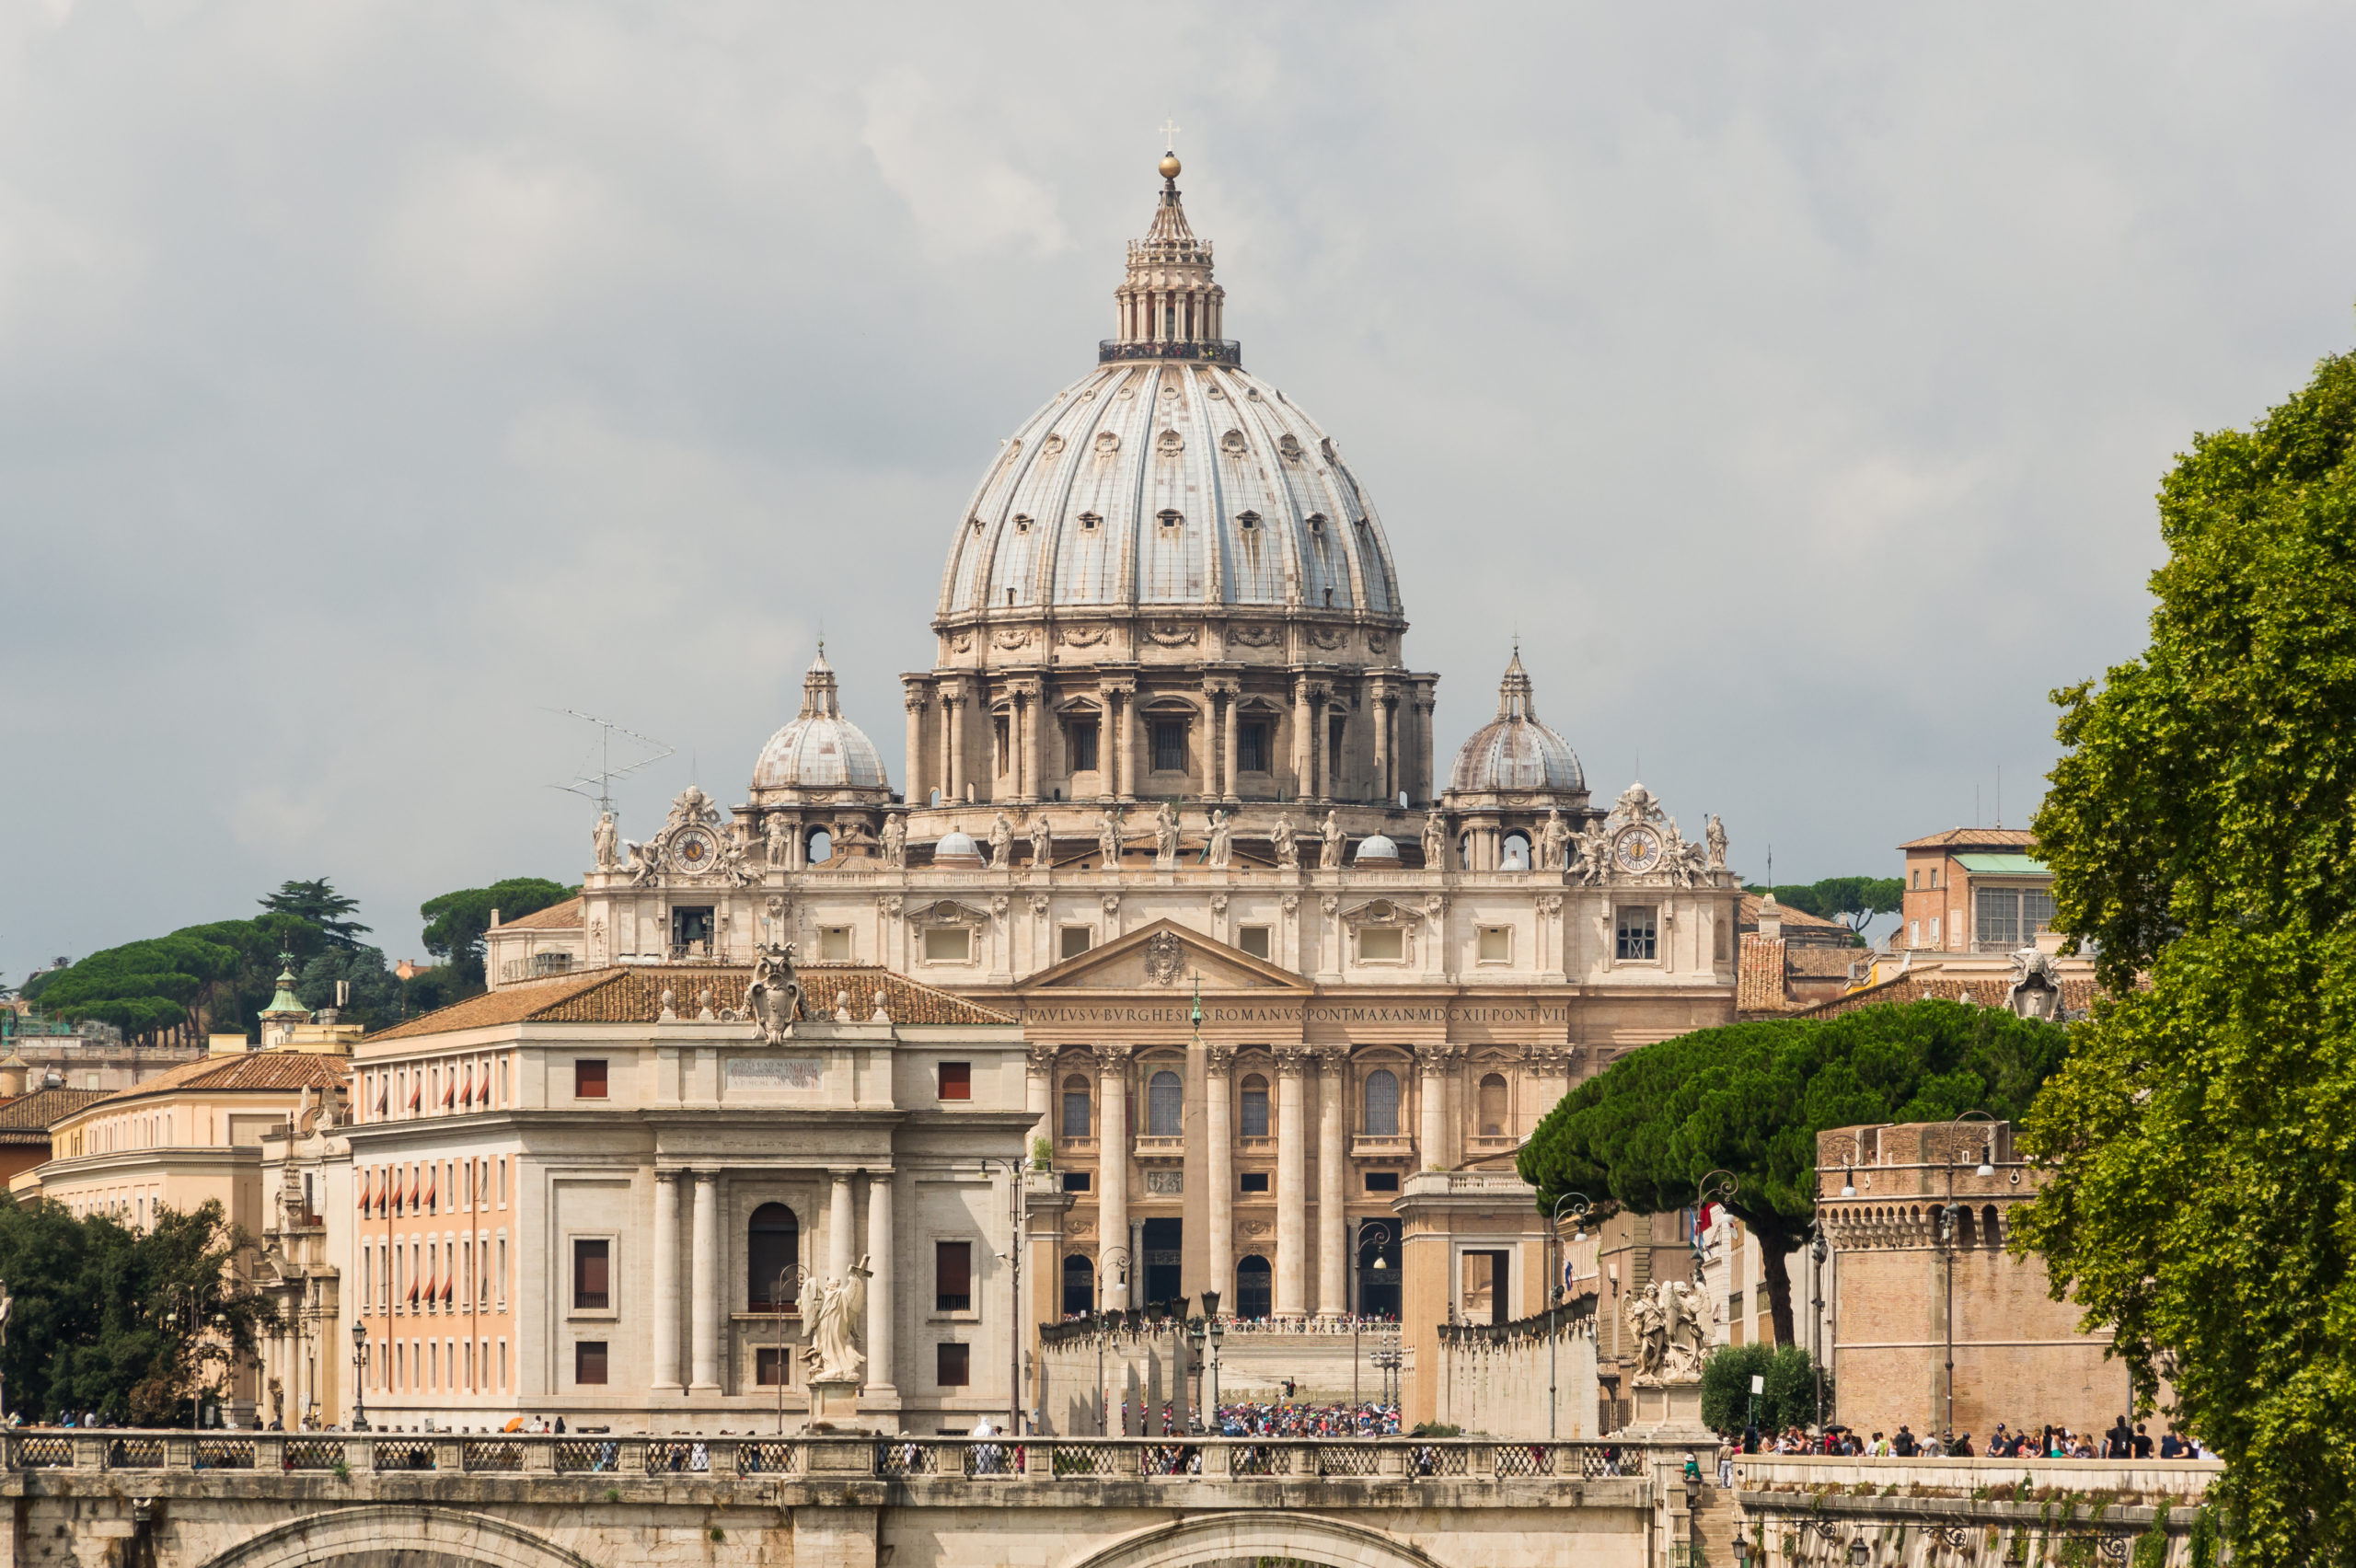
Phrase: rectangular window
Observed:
(591, 1289)
(588, 1080)
(1073, 940)
(834, 944)
(771, 1365)
(1252, 1181)
(952, 1276)
(956, 1080)
(1252, 746)
(948, 944)
(1168, 746)
(1382, 944)
(953, 1365)
(2037, 913)
(1913, 933)
(589, 1361)
(1333, 733)
(1254, 939)
(1075, 1180)
(1076, 1109)
(2000, 917)
(502, 1181)
(1638, 937)
(1382, 1180)
(1083, 745)
(998, 731)
(1496, 944)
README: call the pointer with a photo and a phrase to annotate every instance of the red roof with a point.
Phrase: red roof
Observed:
(1976, 837)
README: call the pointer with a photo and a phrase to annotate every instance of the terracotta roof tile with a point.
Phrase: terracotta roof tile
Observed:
(635, 996)
(1813, 960)
(243, 1073)
(1989, 991)
(1798, 923)
(1759, 977)
(28, 1117)
(561, 916)
(1994, 837)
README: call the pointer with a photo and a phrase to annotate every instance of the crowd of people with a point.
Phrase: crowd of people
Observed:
(2121, 1442)
(1308, 1421)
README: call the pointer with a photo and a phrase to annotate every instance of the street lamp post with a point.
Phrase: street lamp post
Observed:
(1105, 1265)
(1577, 1203)
(1013, 1258)
(1949, 1217)
(359, 1375)
(1212, 1335)
(1818, 1251)
(1382, 1235)
(8, 1307)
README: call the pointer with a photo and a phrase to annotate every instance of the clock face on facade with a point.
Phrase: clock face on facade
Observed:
(1638, 850)
(696, 851)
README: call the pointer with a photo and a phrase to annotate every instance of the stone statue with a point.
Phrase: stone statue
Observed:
(607, 837)
(1165, 838)
(1287, 844)
(1688, 1339)
(1043, 841)
(1650, 1332)
(773, 997)
(895, 840)
(1594, 853)
(1554, 842)
(645, 862)
(838, 1320)
(1108, 839)
(778, 835)
(1222, 842)
(1716, 833)
(1435, 842)
(2036, 990)
(1001, 843)
(1329, 858)
(1670, 1321)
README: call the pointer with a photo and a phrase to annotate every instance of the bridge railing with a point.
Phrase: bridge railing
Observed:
(983, 1460)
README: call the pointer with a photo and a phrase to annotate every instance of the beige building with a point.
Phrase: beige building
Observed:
(1170, 741)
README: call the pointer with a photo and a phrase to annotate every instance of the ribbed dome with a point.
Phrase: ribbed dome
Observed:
(820, 749)
(1166, 476)
(1514, 751)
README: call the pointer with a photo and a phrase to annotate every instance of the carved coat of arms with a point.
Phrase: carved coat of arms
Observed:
(1164, 956)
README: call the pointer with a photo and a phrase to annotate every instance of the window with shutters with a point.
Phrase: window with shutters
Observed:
(589, 1361)
(591, 1264)
(1255, 1106)
(1076, 1107)
(1382, 1104)
(956, 1080)
(1638, 936)
(588, 1080)
(952, 1276)
(953, 1365)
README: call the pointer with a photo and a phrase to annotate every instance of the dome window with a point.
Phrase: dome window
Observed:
(1022, 523)
(1107, 442)
(1170, 443)
(1317, 522)
(1290, 446)
(1171, 519)
(1088, 521)
(1233, 442)
(1248, 521)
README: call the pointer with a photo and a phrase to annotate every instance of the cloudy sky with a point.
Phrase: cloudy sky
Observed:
(376, 379)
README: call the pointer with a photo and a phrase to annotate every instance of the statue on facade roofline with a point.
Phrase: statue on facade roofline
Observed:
(1001, 843)
(1329, 858)
(607, 835)
(1043, 841)
(777, 833)
(1165, 838)
(895, 840)
(1554, 842)
(1285, 843)
(1716, 833)
(1108, 839)
(1221, 846)
(1435, 842)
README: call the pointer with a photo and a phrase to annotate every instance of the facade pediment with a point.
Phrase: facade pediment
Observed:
(1166, 958)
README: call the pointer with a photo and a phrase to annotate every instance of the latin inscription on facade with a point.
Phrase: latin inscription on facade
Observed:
(772, 1075)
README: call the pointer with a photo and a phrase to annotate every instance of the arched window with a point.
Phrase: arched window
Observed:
(1080, 1286)
(1493, 1106)
(1381, 1103)
(1253, 1278)
(1076, 1107)
(772, 1256)
(1517, 853)
(1964, 1227)
(1987, 1232)
(1165, 1106)
(821, 845)
(1255, 1106)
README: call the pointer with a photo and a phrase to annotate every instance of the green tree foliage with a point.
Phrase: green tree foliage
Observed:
(1750, 1098)
(1853, 900)
(375, 996)
(142, 988)
(1788, 1400)
(318, 902)
(133, 1323)
(2200, 827)
(455, 922)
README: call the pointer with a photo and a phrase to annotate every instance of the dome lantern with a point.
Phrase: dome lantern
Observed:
(1169, 306)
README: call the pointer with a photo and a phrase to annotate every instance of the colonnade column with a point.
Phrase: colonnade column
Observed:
(1027, 712)
(881, 1298)
(912, 699)
(1292, 1187)
(839, 1239)
(1333, 1165)
(1431, 1146)
(1113, 1171)
(1304, 743)
(1383, 784)
(666, 1378)
(704, 1334)
(1039, 1091)
(1219, 1257)
(955, 766)
(1420, 748)
(1229, 750)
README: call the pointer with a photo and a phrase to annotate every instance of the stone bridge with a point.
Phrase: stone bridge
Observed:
(183, 1500)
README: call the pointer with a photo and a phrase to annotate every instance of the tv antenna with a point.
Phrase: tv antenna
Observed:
(602, 776)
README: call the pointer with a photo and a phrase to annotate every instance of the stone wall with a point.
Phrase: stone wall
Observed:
(1143, 1369)
(1498, 1382)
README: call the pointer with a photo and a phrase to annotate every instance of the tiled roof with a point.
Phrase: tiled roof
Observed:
(28, 1117)
(1814, 961)
(635, 996)
(1798, 923)
(555, 918)
(1759, 977)
(1992, 837)
(2077, 994)
(246, 1072)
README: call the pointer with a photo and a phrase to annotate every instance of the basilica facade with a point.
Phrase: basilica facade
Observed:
(1168, 799)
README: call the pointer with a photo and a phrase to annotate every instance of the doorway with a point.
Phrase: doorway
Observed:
(1164, 1240)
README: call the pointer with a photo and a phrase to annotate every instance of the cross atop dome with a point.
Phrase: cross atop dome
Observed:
(1170, 306)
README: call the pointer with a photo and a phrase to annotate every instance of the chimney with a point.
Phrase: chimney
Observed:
(1771, 918)
(494, 917)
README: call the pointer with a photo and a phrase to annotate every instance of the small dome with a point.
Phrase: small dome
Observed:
(957, 851)
(1377, 849)
(1514, 751)
(820, 749)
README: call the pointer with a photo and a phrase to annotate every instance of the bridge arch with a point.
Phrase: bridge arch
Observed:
(1225, 1537)
(376, 1535)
